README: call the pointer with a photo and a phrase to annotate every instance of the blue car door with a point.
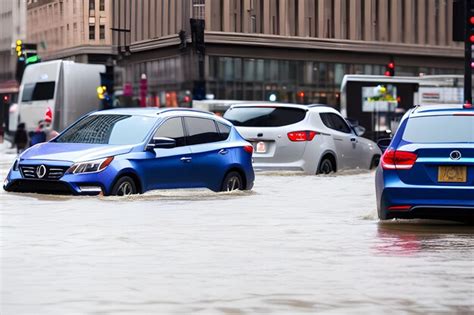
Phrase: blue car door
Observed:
(168, 168)
(210, 157)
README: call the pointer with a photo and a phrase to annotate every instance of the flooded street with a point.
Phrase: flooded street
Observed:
(295, 244)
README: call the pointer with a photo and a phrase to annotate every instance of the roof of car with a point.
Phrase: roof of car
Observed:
(149, 111)
(274, 104)
(440, 109)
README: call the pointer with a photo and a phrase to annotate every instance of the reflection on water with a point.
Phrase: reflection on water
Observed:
(405, 237)
(295, 244)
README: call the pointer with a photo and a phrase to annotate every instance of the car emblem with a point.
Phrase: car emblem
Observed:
(41, 171)
(455, 155)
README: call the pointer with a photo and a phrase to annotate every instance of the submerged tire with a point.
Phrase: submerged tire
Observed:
(232, 181)
(125, 186)
(326, 166)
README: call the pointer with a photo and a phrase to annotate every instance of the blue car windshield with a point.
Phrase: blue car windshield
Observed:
(108, 129)
(440, 129)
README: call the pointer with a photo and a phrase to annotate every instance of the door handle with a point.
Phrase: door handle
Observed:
(186, 159)
(354, 140)
(223, 152)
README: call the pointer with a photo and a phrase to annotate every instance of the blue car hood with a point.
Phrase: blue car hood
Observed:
(73, 152)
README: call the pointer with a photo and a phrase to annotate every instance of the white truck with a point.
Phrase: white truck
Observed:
(68, 88)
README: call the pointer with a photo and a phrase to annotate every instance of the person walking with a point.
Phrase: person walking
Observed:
(21, 138)
(48, 128)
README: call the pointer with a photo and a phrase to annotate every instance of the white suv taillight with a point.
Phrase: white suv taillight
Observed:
(305, 135)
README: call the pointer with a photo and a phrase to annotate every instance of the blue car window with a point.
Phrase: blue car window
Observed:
(440, 129)
(172, 128)
(224, 130)
(108, 129)
(201, 130)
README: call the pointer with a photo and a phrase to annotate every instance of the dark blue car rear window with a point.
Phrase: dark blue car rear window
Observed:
(440, 129)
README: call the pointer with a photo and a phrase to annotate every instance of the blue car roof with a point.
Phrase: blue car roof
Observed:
(434, 110)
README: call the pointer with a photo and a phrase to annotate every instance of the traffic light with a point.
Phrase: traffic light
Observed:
(390, 68)
(106, 88)
(301, 96)
(101, 92)
(271, 96)
(19, 48)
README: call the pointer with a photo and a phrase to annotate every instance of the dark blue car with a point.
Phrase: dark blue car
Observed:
(428, 169)
(128, 151)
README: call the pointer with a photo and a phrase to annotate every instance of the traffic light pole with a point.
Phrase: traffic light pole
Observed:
(468, 55)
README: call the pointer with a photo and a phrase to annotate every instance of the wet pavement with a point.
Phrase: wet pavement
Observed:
(295, 244)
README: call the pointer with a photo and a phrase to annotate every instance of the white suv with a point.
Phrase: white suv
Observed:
(311, 138)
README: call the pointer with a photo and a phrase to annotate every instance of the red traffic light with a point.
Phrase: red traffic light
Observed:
(187, 99)
(471, 38)
(387, 73)
(301, 94)
(391, 65)
(471, 20)
(5, 98)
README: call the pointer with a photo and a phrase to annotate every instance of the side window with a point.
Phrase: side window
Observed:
(340, 124)
(224, 130)
(172, 128)
(335, 122)
(201, 130)
(326, 120)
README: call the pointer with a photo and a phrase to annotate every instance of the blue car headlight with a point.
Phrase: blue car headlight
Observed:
(15, 165)
(90, 166)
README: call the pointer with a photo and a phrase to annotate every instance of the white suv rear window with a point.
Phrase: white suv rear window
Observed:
(260, 116)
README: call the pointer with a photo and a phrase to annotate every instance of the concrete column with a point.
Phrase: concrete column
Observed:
(409, 22)
(432, 24)
(159, 20)
(301, 17)
(369, 20)
(442, 23)
(449, 21)
(339, 21)
(172, 17)
(283, 19)
(146, 19)
(179, 16)
(421, 22)
(395, 13)
(266, 12)
(321, 19)
(165, 16)
(246, 16)
(153, 19)
(226, 16)
(383, 20)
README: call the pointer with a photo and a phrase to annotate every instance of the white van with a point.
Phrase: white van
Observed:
(68, 88)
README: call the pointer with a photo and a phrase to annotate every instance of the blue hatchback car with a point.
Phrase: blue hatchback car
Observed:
(428, 169)
(128, 151)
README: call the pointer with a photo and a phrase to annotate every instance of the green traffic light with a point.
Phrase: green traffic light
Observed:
(32, 59)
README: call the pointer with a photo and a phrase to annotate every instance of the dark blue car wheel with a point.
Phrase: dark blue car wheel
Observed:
(232, 181)
(125, 186)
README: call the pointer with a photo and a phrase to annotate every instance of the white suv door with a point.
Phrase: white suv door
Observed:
(345, 141)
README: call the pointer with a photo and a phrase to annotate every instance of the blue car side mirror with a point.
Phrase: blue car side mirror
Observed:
(161, 143)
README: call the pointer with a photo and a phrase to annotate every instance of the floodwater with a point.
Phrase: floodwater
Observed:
(295, 244)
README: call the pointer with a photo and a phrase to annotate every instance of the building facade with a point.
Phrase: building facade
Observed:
(298, 50)
(12, 28)
(78, 30)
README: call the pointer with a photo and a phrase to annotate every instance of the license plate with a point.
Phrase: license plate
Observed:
(261, 147)
(452, 174)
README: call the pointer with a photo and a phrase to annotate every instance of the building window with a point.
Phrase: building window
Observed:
(102, 31)
(92, 32)
(91, 4)
(102, 5)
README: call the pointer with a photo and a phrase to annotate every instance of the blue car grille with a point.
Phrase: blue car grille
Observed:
(52, 172)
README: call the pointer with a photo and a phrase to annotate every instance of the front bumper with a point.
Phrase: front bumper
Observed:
(68, 184)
